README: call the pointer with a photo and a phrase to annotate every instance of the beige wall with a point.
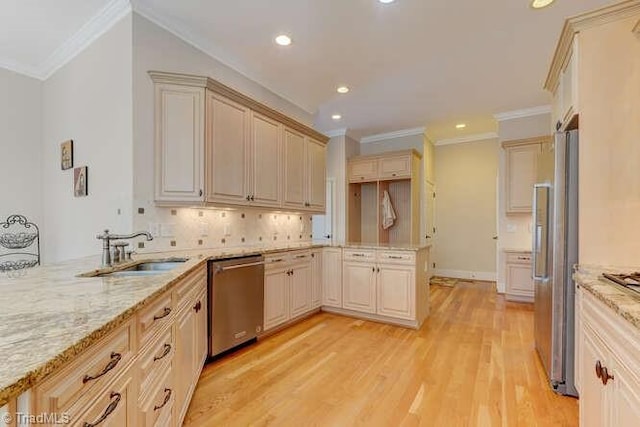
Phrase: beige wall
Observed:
(401, 143)
(88, 100)
(514, 230)
(609, 89)
(20, 156)
(466, 209)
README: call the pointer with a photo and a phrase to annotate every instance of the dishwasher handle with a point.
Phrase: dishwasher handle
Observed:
(220, 269)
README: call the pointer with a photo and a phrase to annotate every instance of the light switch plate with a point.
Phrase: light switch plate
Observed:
(227, 230)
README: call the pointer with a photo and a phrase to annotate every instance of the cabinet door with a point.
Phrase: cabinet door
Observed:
(316, 175)
(201, 338)
(265, 167)
(117, 404)
(179, 143)
(593, 395)
(276, 297)
(294, 169)
(363, 170)
(332, 277)
(519, 282)
(227, 150)
(521, 165)
(626, 402)
(396, 291)
(185, 357)
(160, 404)
(316, 279)
(359, 286)
(300, 289)
(395, 167)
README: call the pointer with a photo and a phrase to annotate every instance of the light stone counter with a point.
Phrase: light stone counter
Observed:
(49, 315)
(623, 301)
(392, 246)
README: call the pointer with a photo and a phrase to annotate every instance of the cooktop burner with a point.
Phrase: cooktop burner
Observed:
(629, 281)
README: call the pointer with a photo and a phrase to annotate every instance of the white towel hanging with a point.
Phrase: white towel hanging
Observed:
(388, 214)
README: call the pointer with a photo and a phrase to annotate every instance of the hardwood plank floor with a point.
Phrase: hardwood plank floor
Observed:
(472, 363)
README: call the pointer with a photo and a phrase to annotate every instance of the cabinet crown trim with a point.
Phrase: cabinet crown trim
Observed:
(526, 141)
(387, 154)
(577, 23)
(228, 92)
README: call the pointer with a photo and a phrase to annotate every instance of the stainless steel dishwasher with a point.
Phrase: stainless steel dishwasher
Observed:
(236, 302)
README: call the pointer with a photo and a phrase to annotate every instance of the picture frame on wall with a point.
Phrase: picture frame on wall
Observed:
(80, 181)
(66, 155)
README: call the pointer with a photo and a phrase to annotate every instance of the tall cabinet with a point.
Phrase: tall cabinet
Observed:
(370, 177)
(215, 146)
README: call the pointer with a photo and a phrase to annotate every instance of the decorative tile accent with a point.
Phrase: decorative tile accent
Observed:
(173, 243)
(141, 211)
(200, 213)
(174, 212)
(200, 242)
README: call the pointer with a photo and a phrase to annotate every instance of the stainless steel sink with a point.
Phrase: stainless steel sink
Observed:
(145, 268)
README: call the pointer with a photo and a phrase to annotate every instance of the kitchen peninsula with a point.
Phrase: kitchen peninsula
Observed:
(55, 319)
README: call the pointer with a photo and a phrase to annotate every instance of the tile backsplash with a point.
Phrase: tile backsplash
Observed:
(193, 228)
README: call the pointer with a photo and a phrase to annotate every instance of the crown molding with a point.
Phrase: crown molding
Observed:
(99, 24)
(525, 112)
(467, 138)
(392, 135)
(336, 132)
(581, 22)
(19, 68)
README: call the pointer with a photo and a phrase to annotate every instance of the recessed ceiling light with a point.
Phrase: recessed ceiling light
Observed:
(539, 4)
(283, 40)
(461, 126)
(343, 89)
(386, 1)
(336, 117)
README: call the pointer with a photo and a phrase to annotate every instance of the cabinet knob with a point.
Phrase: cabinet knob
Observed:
(605, 376)
(201, 193)
(252, 198)
(598, 369)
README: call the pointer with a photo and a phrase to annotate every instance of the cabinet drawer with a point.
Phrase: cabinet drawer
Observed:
(395, 167)
(159, 403)
(115, 406)
(363, 170)
(79, 382)
(154, 318)
(359, 254)
(192, 284)
(396, 257)
(518, 257)
(300, 256)
(276, 260)
(154, 359)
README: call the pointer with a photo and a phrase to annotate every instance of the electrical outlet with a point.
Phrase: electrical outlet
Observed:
(227, 230)
(154, 229)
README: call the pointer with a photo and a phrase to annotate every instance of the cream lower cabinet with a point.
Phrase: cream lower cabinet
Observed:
(288, 287)
(519, 282)
(332, 277)
(609, 366)
(380, 282)
(316, 278)
(141, 374)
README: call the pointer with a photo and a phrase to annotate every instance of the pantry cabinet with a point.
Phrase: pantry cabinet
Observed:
(609, 366)
(216, 146)
(521, 162)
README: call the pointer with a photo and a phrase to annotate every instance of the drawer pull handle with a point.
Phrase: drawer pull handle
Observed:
(167, 350)
(115, 358)
(115, 399)
(360, 255)
(197, 307)
(598, 369)
(277, 260)
(524, 258)
(165, 313)
(395, 257)
(167, 396)
(300, 256)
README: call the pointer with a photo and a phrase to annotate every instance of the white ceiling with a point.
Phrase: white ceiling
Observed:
(410, 63)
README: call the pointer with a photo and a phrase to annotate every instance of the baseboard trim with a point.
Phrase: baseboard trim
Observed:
(413, 324)
(462, 274)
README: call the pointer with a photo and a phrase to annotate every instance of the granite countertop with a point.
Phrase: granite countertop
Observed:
(388, 246)
(49, 314)
(623, 301)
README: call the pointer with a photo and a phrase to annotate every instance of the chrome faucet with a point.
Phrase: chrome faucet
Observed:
(106, 243)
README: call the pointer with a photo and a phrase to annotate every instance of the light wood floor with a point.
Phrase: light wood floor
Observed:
(471, 364)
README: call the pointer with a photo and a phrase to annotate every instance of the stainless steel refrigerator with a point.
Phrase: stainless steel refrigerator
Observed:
(555, 251)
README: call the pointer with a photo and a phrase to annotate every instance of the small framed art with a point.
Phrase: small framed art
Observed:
(66, 155)
(80, 182)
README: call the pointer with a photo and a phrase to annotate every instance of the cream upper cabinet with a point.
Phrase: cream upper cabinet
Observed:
(294, 169)
(215, 145)
(609, 366)
(519, 283)
(363, 170)
(228, 128)
(316, 175)
(179, 143)
(395, 167)
(520, 170)
(564, 88)
(332, 277)
(265, 164)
